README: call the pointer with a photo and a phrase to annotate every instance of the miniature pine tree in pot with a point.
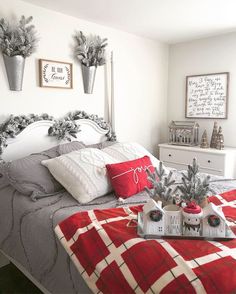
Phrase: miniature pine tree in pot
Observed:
(193, 188)
(163, 191)
(16, 43)
(162, 185)
(194, 192)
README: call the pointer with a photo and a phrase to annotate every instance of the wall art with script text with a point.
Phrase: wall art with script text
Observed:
(207, 95)
(55, 74)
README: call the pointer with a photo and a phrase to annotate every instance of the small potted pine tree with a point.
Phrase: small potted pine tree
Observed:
(194, 192)
(164, 190)
(16, 43)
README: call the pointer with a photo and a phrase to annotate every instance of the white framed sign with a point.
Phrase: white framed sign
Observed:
(207, 95)
(55, 74)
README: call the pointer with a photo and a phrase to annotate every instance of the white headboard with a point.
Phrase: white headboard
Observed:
(34, 138)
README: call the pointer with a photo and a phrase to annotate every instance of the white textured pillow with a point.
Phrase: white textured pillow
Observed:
(82, 173)
(130, 151)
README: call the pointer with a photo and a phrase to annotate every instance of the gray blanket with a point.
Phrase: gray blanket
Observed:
(27, 233)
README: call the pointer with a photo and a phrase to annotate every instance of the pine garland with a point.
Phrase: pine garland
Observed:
(16, 124)
(62, 129)
(78, 114)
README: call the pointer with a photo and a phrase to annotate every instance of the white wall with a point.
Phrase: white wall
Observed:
(141, 67)
(211, 55)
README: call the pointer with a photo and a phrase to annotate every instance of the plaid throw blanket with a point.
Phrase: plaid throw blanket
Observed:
(110, 256)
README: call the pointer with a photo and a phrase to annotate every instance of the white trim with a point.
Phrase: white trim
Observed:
(112, 94)
(3, 260)
(26, 273)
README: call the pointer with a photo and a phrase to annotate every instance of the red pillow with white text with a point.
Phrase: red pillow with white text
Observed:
(130, 177)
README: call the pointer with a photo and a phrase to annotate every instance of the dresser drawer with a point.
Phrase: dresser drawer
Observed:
(176, 156)
(211, 161)
(206, 161)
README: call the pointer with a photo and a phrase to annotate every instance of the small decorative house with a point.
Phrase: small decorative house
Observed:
(153, 218)
(184, 133)
(214, 222)
(173, 220)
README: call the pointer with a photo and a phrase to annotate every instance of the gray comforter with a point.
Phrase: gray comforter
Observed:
(27, 233)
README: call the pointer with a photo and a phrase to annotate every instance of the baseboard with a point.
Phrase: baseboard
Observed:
(3, 260)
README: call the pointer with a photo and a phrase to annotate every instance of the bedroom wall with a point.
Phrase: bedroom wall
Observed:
(141, 67)
(210, 55)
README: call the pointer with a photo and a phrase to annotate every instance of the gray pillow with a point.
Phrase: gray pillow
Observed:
(69, 147)
(101, 145)
(28, 176)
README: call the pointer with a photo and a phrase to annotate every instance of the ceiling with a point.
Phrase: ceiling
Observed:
(170, 21)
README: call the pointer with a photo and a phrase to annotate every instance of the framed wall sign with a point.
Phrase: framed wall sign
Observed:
(55, 74)
(207, 95)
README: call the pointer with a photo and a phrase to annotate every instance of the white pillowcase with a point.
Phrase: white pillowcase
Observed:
(82, 173)
(129, 151)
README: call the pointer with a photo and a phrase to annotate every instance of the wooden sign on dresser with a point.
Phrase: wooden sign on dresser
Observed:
(212, 161)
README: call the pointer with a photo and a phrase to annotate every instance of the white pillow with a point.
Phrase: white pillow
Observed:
(130, 151)
(82, 173)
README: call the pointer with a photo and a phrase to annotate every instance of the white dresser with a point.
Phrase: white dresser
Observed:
(212, 161)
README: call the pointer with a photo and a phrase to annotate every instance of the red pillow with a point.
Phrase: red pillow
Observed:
(130, 177)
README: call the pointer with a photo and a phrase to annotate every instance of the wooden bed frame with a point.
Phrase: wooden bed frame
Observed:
(34, 138)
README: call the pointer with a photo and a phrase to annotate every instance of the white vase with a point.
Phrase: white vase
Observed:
(173, 220)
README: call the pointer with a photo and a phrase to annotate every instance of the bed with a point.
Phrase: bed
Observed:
(27, 236)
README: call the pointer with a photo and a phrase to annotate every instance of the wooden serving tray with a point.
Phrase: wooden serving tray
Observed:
(229, 234)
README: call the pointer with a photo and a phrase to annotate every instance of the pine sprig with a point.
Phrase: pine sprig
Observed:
(192, 187)
(18, 40)
(64, 129)
(162, 185)
(90, 49)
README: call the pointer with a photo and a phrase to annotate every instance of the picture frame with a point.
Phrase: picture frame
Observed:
(207, 96)
(55, 74)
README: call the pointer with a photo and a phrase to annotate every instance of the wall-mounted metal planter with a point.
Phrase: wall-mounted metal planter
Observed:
(15, 71)
(88, 73)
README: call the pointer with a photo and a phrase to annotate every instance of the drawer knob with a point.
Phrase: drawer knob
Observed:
(169, 155)
(209, 161)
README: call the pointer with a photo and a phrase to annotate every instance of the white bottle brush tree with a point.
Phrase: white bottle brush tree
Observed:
(162, 185)
(193, 188)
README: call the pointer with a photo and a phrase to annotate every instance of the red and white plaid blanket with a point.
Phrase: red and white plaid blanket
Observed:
(112, 258)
